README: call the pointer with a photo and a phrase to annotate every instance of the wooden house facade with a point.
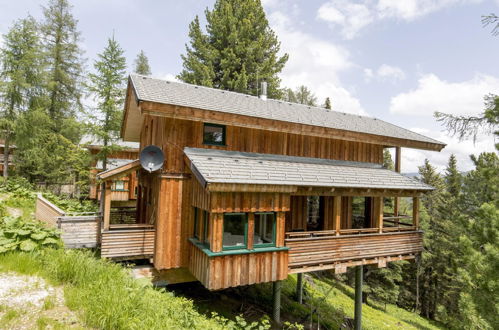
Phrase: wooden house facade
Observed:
(254, 189)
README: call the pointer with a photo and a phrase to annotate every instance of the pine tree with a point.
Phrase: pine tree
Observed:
(327, 103)
(65, 63)
(301, 95)
(453, 178)
(142, 64)
(108, 84)
(20, 77)
(237, 52)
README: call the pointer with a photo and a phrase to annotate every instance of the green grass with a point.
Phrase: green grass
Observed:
(106, 295)
(8, 317)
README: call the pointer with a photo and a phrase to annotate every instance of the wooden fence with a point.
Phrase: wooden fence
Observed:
(77, 231)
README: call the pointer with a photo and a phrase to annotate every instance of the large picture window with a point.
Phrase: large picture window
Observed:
(264, 230)
(235, 231)
(214, 134)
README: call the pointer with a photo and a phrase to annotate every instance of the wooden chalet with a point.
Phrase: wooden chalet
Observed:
(12, 148)
(254, 189)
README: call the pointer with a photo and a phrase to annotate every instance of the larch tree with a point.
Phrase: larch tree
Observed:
(237, 51)
(108, 86)
(64, 62)
(20, 78)
(141, 64)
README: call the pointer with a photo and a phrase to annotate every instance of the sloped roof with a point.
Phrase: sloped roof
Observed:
(187, 95)
(113, 163)
(220, 166)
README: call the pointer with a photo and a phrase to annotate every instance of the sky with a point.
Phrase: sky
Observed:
(396, 60)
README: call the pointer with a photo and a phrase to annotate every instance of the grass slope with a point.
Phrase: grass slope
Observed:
(333, 302)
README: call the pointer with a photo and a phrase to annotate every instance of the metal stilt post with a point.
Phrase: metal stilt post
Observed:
(277, 301)
(299, 288)
(359, 273)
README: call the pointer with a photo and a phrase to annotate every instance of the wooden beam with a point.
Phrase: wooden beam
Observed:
(107, 206)
(251, 230)
(415, 212)
(398, 157)
(378, 213)
(118, 172)
(337, 214)
(280, 228)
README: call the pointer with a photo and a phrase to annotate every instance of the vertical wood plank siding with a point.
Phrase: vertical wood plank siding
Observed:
(297, 217)
(234, 270)
(249, 202)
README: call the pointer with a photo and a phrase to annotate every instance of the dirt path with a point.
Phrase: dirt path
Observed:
(28, 302)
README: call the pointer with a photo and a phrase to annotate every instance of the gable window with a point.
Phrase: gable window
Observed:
(235, 231)
(264, 235)
(214, 134)
(119, 185)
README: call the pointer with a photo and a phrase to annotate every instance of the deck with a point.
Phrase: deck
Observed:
(313, 251)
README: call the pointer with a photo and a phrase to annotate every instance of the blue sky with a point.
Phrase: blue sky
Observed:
(398, 60)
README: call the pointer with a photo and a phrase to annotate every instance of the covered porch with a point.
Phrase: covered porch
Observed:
(124, 234)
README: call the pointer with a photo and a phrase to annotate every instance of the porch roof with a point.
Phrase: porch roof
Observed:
(231, 167)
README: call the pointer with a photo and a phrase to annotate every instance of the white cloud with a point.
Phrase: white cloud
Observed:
(169, 77)
(354, 16)
(385, 73)
(412, 158)
(315, 63)
(434, 94)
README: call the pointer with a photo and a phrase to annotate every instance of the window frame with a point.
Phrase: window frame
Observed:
(114, 185)
(274, 227)
(224, 132)
(245, 247)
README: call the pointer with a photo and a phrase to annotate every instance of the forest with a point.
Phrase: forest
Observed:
(50, 102)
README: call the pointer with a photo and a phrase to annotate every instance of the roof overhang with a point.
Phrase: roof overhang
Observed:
(119, 172)
(133, 117)
(226, 171)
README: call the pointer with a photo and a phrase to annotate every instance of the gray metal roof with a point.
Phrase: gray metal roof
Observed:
(182, 94)
(220, 166)
(113, 163)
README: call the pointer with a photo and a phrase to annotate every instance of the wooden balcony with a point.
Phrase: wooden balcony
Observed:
(320, 250)
(128, 241)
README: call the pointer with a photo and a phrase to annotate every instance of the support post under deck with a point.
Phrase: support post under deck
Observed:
(276, 286)
(299, 288)
(359, 273)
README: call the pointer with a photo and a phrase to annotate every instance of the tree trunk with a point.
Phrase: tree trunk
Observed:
(6, 158)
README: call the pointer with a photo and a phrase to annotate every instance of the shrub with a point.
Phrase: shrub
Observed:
(71, 205)
(19, 187)
(17, 234)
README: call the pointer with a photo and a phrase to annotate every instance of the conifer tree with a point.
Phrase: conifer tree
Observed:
(141, 64)
(302, 95)
(20, 78)
(237, 51)
(64, 61)
(327, 103)
(453, 178)
(107, 84)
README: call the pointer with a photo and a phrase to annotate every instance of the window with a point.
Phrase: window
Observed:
(235, 231)
(264, 230)
(201, 225)
(214, 134)
(119, 185)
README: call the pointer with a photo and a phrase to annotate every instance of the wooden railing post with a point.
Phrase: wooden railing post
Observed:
(415, 212)
(107, 206)
(337, 214)
(398, 157)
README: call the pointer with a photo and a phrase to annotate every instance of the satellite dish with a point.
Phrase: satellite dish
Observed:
(151, 158)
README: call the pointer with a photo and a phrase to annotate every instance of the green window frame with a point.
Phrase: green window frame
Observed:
(206, 134)
(274, 221)
(196, 223)
(245, 224)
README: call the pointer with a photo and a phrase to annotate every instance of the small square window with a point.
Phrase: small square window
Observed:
(264, 230)
(235, 229)
(119, 185)
(214, 134)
